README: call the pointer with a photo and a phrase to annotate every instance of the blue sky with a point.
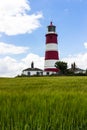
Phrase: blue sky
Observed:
(23, 25)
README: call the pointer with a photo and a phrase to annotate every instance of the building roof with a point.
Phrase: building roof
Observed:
(32, 69)
(76, 70)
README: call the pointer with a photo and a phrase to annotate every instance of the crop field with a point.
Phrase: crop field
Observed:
(43, 103)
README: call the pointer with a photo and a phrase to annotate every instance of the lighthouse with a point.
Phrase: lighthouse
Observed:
(51, 52)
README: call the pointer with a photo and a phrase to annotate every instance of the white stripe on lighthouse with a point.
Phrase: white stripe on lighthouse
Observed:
(51, 32)
(50, 63)
(51, 47)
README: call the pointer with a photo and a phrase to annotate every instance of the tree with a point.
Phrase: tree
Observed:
(62, 66)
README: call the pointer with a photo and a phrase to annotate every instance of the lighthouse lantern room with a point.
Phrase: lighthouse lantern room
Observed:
(51, 52)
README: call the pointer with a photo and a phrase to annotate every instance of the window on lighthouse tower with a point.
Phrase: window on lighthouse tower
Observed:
(51, 29)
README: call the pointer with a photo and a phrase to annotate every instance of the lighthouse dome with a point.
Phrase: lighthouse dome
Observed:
(51, 27)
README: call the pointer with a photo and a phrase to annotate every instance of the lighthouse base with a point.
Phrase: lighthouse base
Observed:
(50, 71)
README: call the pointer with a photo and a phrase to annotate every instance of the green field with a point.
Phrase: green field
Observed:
(43, 103)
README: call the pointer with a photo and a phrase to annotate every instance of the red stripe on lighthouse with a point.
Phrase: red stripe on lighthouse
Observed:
(51, 38)
(52, 69)
(51, 55)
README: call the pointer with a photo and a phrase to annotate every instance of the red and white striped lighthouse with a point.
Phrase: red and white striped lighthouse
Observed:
(51, 53)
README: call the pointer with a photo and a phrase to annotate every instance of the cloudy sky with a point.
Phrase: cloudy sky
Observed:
(23, 24)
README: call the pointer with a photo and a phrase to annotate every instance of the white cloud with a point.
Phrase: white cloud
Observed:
(38, 61)
(85, 44)
(11, 49)
(79, 59)
(14, 18)
(10, 67)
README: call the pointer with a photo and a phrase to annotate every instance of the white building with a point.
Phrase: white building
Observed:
(78, 70)
(32, 71)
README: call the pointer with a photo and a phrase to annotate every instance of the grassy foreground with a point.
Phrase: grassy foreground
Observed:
(43, 103)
